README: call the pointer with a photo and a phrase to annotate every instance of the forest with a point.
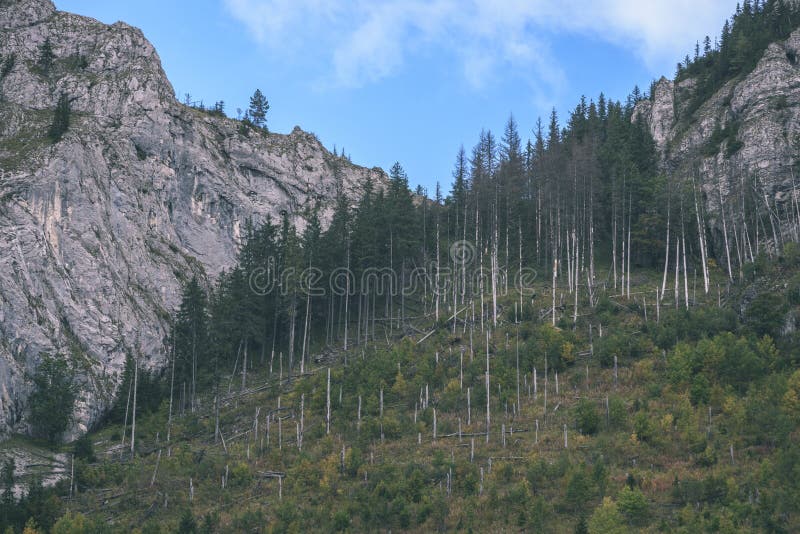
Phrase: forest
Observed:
(567, 341)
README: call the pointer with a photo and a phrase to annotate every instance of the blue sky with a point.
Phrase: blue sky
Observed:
(412, 80)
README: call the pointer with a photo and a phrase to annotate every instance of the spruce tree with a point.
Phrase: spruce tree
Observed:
(191, 335)
(61, 119)
(46, 57)
(53, 397)
(259, 106)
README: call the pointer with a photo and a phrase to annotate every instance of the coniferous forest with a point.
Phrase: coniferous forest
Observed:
(561, 339)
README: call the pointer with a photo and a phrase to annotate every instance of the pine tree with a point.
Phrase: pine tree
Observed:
(53, 397)
(191, 335)
(7, 479)
(46, 57)
(259, 106)
(61, 119)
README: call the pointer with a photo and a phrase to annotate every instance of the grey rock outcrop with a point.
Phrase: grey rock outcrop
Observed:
(761, 114)
(99, 231)
(659, 112)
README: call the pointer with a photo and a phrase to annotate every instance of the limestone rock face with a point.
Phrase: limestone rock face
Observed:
(99, 231)
(762, 108)
(660, 112)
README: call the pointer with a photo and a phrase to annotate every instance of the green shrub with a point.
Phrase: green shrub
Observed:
(586, 417)
(793, 291)
(766, 313)
(84, 449)
(607, 519)
(633, 505)
(791, 254)
(617, 412)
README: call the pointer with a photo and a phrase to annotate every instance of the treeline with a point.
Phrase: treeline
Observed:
(743, 40)
(563, 198)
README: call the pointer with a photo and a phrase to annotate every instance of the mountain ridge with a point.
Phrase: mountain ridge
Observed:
(100, 230)
(749, 126)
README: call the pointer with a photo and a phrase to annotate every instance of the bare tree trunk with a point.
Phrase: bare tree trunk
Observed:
(494, 275)
(519, 404)
(666, 253)
(488, 390)
(455, 295)
(171, 388)
(725, 230)
(555, 272)
(216, 418)
(628, 270)
(244, 366)
(305, 332)
(577, 252)
(685, 272)
(133, 423)
(438, 269)
(677, 271)
(614, 250)
(291, 333)
(469, 406)
(328, 404)
(346, 298)
(461, 371)
(702, 238)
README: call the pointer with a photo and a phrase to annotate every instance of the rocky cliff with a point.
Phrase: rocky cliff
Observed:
(99, 230)
(757, 139)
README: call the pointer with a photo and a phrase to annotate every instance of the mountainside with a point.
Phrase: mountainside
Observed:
(595, 331)
(99, 230)
(744, 135)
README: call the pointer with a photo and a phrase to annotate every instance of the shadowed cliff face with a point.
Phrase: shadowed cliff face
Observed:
(98, 231)
(761, 108)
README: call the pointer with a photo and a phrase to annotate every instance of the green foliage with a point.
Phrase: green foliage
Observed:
(187, 524)
(582, 527)
(7, 65)
(791, 399)
(724, 359)
(191, 337)
(765, 314)
(257, 112)
(693, 325)
(727, 136)
(586, 417)
(622, 345)
(690, 385)
(61, 119)
(46, 57)
(791, 254)
(75, 523)
(83, 449)
(633, 505)
(152, 389)
(53, 397)
(606, 519)
(742, 43)
(579, 490)
(617, 412)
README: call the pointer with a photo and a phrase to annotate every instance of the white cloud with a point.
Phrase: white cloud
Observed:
(368, 40)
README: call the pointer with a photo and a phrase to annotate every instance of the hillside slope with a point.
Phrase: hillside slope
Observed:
(634, 419)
